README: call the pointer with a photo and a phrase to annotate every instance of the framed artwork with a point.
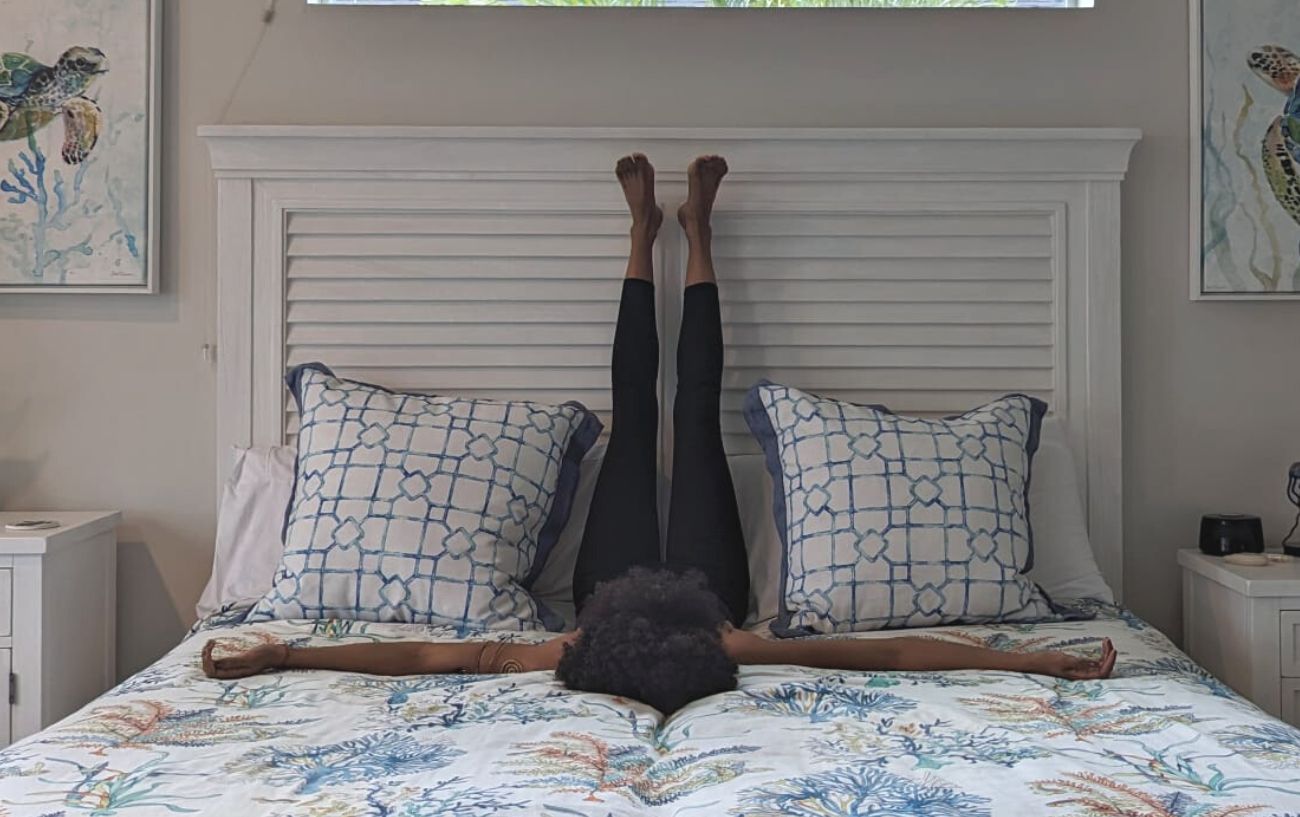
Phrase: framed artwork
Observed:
(79, 144)
(1245, 156)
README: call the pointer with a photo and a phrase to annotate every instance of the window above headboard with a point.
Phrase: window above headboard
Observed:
(1054, 4)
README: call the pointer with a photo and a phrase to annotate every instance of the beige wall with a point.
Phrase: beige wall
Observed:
(107, 401)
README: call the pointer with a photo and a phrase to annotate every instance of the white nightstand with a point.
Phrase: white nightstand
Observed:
(58, 617)
(1243, 625)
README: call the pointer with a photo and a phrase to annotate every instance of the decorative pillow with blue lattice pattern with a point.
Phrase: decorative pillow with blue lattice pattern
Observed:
(431, 510)
(892, 521)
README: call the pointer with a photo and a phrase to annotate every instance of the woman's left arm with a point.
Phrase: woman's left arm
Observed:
(910, 653)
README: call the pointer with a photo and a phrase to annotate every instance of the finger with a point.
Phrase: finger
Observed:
(1108, 663)
(206, 659)
(232, 668)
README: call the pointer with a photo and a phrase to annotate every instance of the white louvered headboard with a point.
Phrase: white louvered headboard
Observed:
(926, 270)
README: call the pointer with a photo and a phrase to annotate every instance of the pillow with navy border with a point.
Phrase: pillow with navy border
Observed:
(890, 521)
(424, 509)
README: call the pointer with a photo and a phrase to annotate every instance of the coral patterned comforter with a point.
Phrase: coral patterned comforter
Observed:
(1162, 739)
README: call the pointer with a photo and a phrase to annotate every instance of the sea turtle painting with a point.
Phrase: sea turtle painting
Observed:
(32, 95)
(1280, 68)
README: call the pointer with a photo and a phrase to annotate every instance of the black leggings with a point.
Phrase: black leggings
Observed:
(703, 523)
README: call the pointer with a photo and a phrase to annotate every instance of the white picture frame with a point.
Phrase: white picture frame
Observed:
(152, 187)
(1198, 290)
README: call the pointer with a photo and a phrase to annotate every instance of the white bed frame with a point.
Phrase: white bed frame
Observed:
(923, 269)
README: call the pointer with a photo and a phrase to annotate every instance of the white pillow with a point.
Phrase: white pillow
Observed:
(754, 499)
(554, 585)
(1063, 561)
(249, 526)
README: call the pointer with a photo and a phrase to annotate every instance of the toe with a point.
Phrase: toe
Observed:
(625, 166)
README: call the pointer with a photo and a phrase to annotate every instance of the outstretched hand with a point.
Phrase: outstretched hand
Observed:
(241, 665)
(1065, 665)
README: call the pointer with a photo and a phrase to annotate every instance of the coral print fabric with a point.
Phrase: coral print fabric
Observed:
(424, 509)
(893, 521)
(1160, 739)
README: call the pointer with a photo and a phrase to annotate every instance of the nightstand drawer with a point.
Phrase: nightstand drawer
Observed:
(6, 601)
(1290, 657)
(1291, 701)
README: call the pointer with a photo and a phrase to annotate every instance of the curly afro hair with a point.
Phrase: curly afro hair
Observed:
(652, 635)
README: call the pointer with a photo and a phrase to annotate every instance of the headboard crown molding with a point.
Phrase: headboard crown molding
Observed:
(247, 151)
(926, 269)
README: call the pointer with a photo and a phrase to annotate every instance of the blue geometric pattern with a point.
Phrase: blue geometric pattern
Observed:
(893, 521)
(430, 510)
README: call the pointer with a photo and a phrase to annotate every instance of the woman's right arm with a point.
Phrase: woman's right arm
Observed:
(406, 658)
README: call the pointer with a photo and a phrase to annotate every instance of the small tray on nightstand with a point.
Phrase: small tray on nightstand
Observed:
(1278, 578)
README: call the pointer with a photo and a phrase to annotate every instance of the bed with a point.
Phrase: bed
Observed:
(1161, 738)
(923, 269)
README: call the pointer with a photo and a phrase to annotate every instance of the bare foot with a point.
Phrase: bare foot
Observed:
(703, 178)
(637, 176)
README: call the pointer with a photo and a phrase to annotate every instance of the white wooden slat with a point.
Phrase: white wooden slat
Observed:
(496, 246)
(882, 224)
(871, 292)
(470, 291)
(735, 269)
(355, 223)
(920, 268)
(452, 335)
(235, 329)
(432, 268)
(904, 313)
(547, 312)
(728, 247)
(888, 291)
(458, 357)
(885, 334)
(598, 354)
(737, 336)
(739, 442)
(918, 357)
(724, 247)
(725, 223)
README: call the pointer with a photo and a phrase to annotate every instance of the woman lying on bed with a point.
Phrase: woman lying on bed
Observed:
(662, 633)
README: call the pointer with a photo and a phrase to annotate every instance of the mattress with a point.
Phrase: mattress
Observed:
(1161, 738)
